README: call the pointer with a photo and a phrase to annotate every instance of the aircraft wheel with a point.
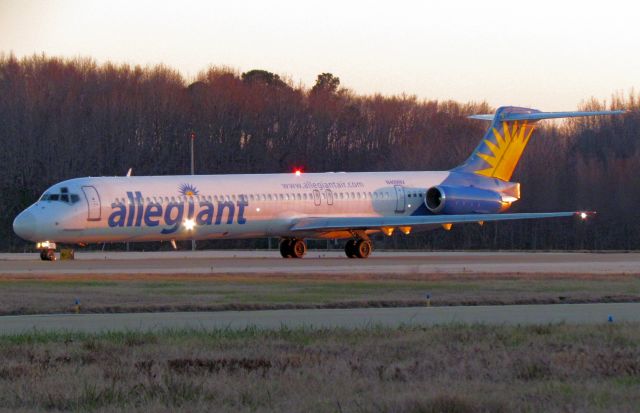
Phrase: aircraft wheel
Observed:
(51, 255)
(298, 248)
(285, 248)
(350, 248)
(43, 255)
(363, 248)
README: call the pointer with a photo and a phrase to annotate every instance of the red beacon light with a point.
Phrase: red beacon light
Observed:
(298, 172)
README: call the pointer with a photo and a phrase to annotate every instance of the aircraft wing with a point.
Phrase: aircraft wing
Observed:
(364, 223)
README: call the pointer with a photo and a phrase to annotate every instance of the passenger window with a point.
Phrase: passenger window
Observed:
(304, 196)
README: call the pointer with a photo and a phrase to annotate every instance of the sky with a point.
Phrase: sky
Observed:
(550, 55)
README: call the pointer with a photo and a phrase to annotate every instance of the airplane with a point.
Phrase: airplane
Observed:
(293, 206)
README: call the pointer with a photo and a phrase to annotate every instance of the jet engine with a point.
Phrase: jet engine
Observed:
(452, 200)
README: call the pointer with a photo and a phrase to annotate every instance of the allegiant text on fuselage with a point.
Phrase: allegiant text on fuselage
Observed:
(171, 215)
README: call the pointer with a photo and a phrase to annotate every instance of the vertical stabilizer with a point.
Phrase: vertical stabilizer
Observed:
(498, 153)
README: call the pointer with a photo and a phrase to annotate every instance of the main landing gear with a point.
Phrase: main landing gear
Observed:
(296, 248)
(358, 248)
(292, 248)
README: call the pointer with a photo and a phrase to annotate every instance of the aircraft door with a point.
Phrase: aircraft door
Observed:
(400, 201)
(329, 196)
(316, 197)
(93, 203)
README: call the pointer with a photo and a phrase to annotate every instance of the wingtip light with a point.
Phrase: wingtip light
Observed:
(584, 215)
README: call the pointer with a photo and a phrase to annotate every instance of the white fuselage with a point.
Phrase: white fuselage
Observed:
(155, 208)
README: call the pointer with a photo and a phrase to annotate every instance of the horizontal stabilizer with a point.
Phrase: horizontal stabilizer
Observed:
(509, 117)
(363, 223)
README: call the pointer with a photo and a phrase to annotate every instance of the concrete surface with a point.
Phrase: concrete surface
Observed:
(347, 318)
(326, 262)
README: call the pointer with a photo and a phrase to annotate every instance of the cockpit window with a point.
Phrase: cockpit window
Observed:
(63, 196)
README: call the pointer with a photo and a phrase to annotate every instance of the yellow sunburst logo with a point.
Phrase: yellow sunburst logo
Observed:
(187, 190)
(506, 150)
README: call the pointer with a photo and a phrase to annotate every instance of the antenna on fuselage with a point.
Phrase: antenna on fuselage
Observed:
(130, 171)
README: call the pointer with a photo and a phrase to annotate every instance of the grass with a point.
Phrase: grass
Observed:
(457, 368)
(105, 293)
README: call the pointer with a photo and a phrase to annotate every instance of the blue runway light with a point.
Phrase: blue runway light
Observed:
(610, 319)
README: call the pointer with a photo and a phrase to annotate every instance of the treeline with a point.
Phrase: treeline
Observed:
(64, 118)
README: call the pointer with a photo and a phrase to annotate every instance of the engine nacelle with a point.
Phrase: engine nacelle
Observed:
(454, 200)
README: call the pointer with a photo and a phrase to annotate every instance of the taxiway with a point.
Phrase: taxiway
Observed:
(326, 262)
(326, 318)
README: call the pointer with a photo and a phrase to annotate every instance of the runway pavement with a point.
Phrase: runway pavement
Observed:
(325, 262)
(326, 318)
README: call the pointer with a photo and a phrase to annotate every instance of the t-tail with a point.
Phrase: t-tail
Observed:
(498, 153)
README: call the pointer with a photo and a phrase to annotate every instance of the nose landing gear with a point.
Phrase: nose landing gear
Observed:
(292, 248)
(48, 255)
(47, 250)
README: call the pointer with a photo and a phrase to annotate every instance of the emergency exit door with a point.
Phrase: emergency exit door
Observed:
(400, 201)
(93, 203)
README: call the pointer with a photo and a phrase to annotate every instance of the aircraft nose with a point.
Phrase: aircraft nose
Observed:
(25, 225)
